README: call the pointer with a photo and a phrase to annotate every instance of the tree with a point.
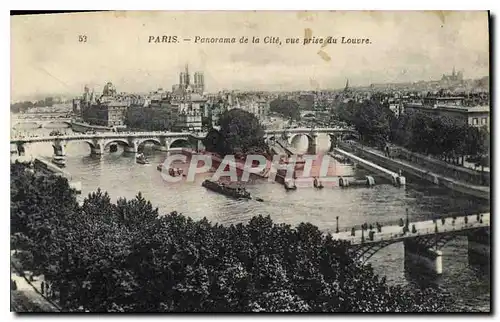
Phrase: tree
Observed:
(240, 132)
(126, 258)
(215, 142)
(372, 122)
(289, 109)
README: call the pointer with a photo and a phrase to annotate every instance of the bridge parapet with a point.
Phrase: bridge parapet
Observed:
(423, 239)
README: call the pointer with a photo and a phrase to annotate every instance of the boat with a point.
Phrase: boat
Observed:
(141, 159)
(318, 184)
(290, 185)
(159, 167)
(175, 172)
(227, 190)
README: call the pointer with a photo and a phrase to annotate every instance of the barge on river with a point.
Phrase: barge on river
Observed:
(226, 189)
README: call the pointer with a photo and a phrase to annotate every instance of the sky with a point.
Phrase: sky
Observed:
(47, 58)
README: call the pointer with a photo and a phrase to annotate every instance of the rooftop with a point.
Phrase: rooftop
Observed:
(480, 108)
(475, 109)
(445, 98)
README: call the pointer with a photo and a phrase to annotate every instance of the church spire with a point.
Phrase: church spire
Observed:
(346, 85)
(187, 74)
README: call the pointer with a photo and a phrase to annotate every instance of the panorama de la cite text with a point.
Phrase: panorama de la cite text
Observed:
(168, 39)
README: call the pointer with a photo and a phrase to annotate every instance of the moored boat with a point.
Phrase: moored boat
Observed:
(290, 185)
(317, 184)
(227, 190)
(141, 159)
(175, 172)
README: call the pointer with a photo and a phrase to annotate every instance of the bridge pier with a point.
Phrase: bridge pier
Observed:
(423, 256)
(131, 148)
(59, 148)
(20, 149)
(59, 157)
(478, 244)
(199, 146)
(334, 139)
(96, 147)
(312, 146)
(97, 150)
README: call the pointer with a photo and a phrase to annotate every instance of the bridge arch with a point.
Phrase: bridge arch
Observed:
(52, 124)
(141, 143)
(349, 136)
(122, 142)
(90, 143)
(180, 143)
(293, 140)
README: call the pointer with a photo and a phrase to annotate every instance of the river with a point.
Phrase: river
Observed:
(119, 175)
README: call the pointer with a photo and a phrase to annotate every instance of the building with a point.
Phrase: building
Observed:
(452, 101)
(185, 85)
(108, 114)
(199, 83)
(189, 121)
(477, 116)
(108, 109)
(452, 79)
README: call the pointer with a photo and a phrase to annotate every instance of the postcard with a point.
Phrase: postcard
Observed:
(250, 161)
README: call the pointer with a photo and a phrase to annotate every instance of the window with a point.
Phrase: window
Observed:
(483, 121)
(474, 121)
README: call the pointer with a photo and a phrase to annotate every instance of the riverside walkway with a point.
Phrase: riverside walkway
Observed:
(419, 171)
(388, 174)
(28, 297)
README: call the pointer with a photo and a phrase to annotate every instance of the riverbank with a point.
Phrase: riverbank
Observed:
(415, 170)
(45, 166)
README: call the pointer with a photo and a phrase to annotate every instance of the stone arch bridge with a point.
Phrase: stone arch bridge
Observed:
(290, 136)
(131, 142)
(20, 124)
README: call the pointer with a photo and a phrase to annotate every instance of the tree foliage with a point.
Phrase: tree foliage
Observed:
(124, 257)
(437, 135)
(369, 118)
(240, 133)
(289, 109)
(440, 136)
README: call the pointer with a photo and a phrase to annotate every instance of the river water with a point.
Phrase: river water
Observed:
(119, 175)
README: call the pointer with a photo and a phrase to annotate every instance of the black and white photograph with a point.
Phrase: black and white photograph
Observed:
(250, 162)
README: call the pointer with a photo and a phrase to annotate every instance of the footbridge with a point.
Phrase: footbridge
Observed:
(423, 240)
